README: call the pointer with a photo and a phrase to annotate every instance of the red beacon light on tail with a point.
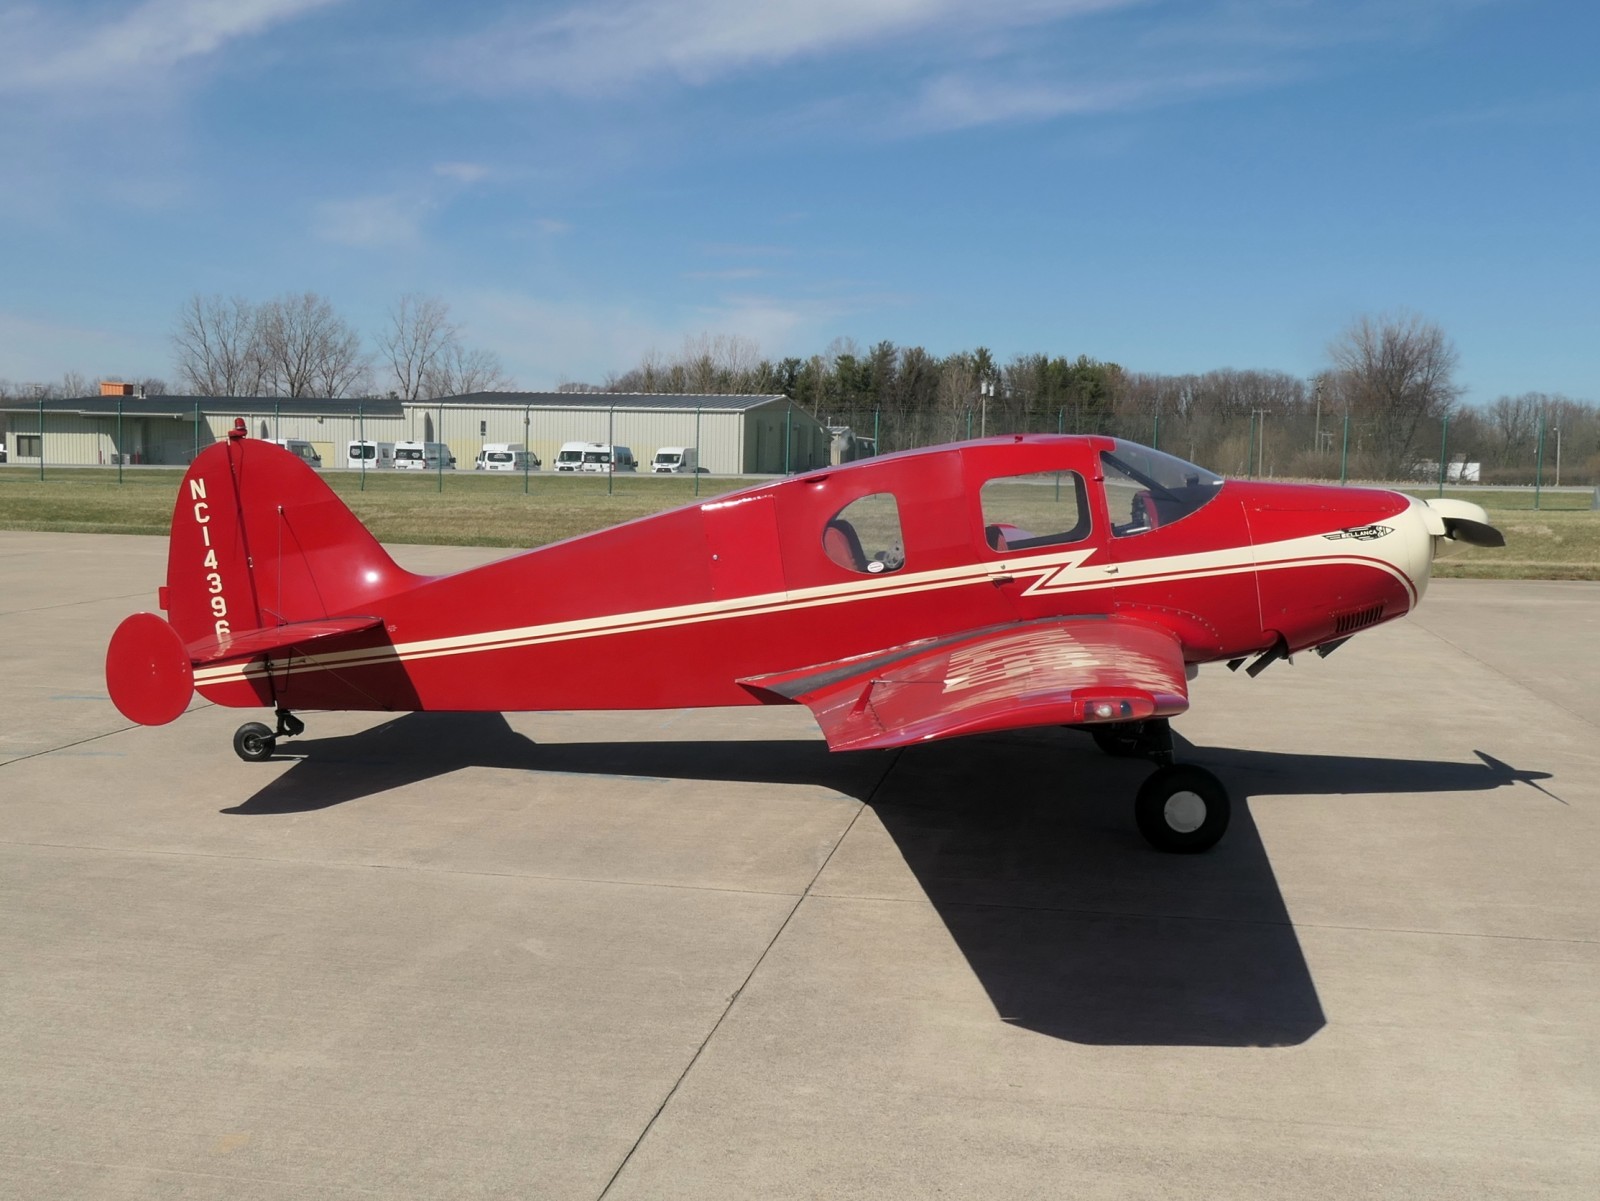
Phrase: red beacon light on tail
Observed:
(1012, 582)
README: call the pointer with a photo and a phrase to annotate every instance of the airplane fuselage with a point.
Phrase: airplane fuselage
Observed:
(677, 608)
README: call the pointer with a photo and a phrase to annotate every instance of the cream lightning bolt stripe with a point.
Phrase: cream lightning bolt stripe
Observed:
(1065, 571)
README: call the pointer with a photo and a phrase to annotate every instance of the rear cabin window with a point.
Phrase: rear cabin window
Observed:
(1047, 508)
(865, 536)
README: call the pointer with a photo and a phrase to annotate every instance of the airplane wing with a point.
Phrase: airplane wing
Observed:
(1060, 671)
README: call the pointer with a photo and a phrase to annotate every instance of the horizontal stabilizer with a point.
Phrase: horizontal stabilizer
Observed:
(243, 643)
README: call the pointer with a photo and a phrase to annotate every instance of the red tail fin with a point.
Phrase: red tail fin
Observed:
(259, 541)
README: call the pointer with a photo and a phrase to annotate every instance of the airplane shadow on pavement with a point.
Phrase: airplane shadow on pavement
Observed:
(1023, 842)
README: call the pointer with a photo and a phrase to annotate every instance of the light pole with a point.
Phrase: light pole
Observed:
(985, 390)
(1557, 430)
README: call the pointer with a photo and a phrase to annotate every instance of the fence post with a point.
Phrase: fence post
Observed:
(1444, 450)
(439, 434)
(877, 414)
(788, 434)
(1538, 466)
(41, 437)
(527, 446)
(611, 441)
(119, 440)
(1344, 455)
(361, 436)
(697, 450)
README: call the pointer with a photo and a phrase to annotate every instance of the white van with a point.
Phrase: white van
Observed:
(506, 456)
(595, 456)
(423, 456)
(300, 448)
(670, 459)
(570, 456)
(369, 454)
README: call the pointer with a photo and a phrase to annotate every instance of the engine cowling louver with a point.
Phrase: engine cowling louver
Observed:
(1349, 623)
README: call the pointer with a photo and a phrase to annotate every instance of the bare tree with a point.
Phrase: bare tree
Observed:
(458, 371)
(419, 332)
(218, 347)
(1513, 425)
(1396, 374)
(309, 349)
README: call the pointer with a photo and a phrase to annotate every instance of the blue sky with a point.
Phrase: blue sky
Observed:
(1172, 186)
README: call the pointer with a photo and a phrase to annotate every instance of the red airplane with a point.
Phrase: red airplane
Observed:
(1017, 581)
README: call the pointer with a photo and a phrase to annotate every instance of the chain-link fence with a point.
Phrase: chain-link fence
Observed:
(1546, 455)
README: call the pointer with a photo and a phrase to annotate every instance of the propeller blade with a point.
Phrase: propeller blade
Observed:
(1473, 533)
(1466, 522)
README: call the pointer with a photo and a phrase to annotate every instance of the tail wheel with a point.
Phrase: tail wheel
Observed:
(254, 742)
(1183, 809)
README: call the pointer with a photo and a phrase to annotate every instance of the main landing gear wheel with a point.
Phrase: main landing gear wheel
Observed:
(1182, 809)
(254, 742)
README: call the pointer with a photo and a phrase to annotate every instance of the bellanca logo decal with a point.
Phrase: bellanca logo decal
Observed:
(1361, 533)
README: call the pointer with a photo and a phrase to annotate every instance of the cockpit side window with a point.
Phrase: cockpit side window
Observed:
(865, 535)
(1047, 508)
(1146, 489)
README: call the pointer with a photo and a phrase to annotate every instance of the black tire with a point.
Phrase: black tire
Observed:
(254, 742)
(1182, 809)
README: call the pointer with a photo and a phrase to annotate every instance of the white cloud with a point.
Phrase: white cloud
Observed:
(466, 173)
(369, 221)
(38, 350)
(542, 341)
(960, 101)
(607, 45)
(42, 50)
(729, 273)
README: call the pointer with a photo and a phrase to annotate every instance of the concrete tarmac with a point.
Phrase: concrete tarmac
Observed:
(691, 954)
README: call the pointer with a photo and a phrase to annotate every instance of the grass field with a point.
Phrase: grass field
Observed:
(1559, 541)
(472, 509)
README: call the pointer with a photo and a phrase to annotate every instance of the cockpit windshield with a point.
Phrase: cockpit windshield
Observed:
(1148, 488)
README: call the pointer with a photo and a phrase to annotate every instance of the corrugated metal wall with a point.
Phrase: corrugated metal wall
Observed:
(764, 440)
(544, 430)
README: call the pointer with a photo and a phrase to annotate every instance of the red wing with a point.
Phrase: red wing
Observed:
(1068, 671)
